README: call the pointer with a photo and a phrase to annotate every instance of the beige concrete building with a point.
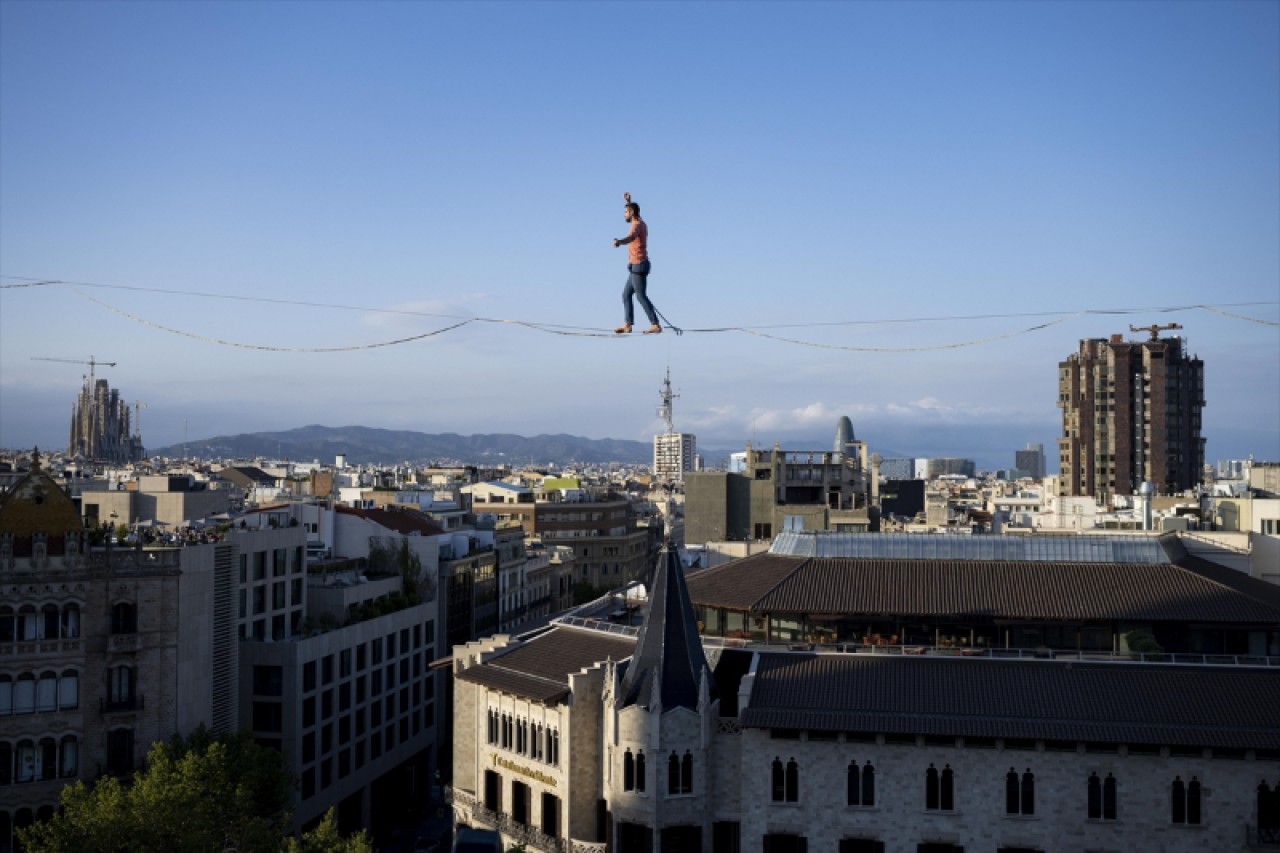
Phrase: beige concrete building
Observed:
(808, 490)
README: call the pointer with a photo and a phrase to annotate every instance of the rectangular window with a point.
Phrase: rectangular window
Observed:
(309, 676)
(268, 680)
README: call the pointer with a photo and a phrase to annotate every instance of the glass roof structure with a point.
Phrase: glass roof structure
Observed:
(918, 546)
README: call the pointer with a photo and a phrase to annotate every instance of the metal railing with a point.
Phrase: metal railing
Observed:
(1262, 837)
(524, 834)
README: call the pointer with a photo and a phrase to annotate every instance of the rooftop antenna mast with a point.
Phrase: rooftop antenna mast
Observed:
(664, 411)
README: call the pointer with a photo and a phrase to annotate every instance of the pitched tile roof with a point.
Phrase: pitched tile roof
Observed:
(539, 668)
(402, 521)
(992, 588)
(1226, 707)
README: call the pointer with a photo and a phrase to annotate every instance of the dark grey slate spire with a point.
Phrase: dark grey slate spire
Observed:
(668, 651)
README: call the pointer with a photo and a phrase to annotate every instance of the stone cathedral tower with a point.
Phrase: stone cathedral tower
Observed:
(100, 426)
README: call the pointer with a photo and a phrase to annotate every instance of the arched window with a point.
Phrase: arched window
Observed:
(1268, 807)
(6, 624)
(686, 772)
(6, 763)
(868, 785)
(785, 782)
(47, 691)
(24, 694)
(71, 621)
(640, 772)
(939, 789)
(28, 623)
(120, 687)
(50, 622)
(673, 774)
(1028, 793)
(1193, 802)
(628, 771)
(6, 695)
(853, 785)
(124, 618)
(69, 761)
(1095, 797)
(69, 689)
(861, 784)
(1011, 792)
(48, 766)
(1109, 798)
(25, 763)
(1178, 801)
(120, 751)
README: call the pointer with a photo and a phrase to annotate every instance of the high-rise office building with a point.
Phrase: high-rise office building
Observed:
(1130, 414)
(1030, 461)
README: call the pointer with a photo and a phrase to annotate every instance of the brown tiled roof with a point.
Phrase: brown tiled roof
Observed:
(1226, 707)
(37, 504)
(402, 521)
(992, 588)
(539, 669)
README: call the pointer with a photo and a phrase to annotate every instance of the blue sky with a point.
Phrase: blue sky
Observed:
(833, 168)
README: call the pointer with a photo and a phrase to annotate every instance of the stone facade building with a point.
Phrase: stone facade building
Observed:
(88, 652)
(582, 740)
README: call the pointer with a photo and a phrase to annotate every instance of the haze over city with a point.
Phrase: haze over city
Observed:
(230, 184)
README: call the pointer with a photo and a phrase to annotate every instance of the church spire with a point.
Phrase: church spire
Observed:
(668, 651)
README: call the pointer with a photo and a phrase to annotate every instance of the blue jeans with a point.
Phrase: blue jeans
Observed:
(637, 282)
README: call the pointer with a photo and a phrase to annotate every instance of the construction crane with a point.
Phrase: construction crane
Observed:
(138, 406)
(91, 362)
(1155, 330)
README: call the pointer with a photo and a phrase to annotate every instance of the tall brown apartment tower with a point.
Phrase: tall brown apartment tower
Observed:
(1130, 413)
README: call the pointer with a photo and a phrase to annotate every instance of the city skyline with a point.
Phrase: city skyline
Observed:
(825, 173)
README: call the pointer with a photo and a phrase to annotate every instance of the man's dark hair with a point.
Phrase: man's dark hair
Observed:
(633, 207)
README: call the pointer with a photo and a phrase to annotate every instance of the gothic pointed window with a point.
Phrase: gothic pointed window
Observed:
(640, 774)
(628, 771)
(686, 773)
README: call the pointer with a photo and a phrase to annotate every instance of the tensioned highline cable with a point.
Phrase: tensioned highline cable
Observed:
(578, 331)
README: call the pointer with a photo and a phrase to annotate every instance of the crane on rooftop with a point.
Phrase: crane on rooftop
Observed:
(92, 362)
(1155, 330)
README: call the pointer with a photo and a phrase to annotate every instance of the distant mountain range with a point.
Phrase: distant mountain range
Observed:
(369, 445)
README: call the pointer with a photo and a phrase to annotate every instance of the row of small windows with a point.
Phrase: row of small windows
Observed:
(523, 737)
(1020, 791)
(279, 563)
(679, 773)
(58, 622)
(50, 622)
(30, 693)
(39, 761)
(348, 661)
(351, 757)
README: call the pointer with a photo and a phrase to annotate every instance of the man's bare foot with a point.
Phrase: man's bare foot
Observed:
(623, 329)
(655, 329)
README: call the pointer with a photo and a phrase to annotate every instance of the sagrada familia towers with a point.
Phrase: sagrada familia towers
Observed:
(100, 426)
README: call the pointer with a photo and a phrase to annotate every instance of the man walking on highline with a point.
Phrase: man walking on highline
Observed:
(637, 243)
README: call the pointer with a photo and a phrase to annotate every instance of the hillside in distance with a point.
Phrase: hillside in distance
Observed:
(370, 445)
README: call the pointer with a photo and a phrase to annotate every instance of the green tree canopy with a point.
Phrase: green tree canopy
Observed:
(197, 794)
